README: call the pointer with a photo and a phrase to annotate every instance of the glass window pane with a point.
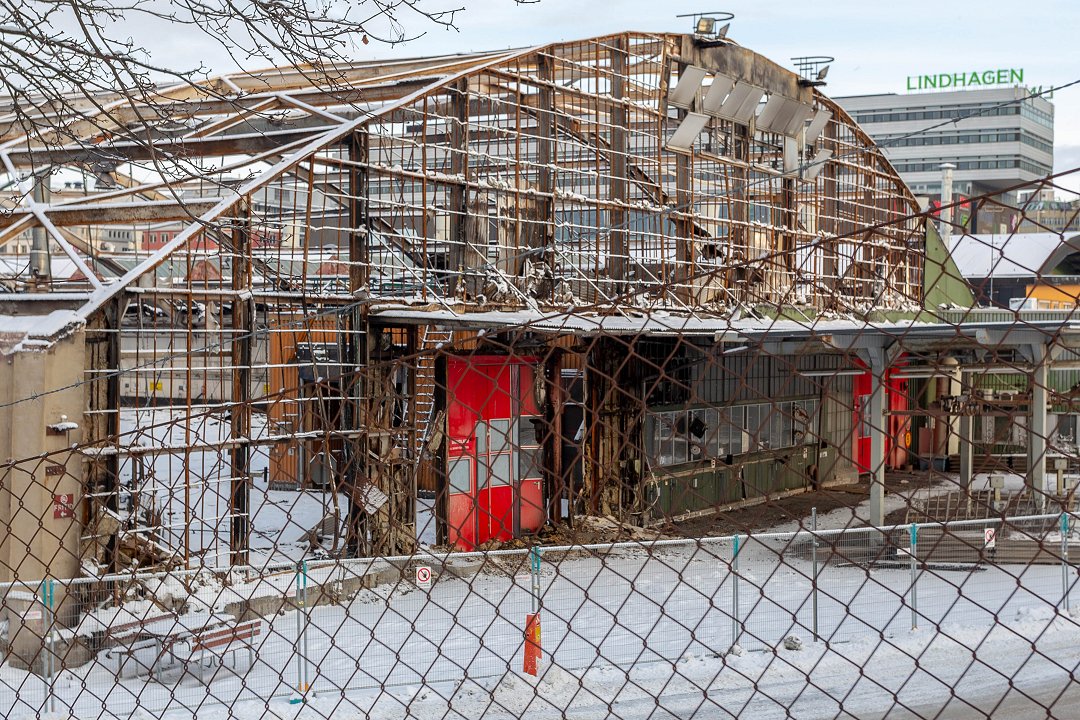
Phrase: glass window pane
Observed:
(529, 430)
(785, 436)
(667, 443)
(716, 429)
(500, 468)
(499, 440)
(460, 475)
(678, 435)
(530, 463)
(736, 430)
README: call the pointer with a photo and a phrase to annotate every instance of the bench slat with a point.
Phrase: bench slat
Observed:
(223, 637)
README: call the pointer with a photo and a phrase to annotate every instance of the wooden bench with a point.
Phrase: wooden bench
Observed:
(122, 631)
(128, 651)
(209, 647)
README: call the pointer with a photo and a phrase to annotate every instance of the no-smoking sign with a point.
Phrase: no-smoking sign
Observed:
(423, 576)
(989, 538)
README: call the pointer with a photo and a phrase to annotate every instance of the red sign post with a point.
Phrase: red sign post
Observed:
(532, 643)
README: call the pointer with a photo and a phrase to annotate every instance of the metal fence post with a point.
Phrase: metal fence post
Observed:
(735, 593)
(914, 594)
(307, 621)
(814, 578)
(535, 565)
(1065, 560)
(48, 590)
(301, 633)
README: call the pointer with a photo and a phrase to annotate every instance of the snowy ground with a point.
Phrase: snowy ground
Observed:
(190, 488)
(634, 634)
(626, 633)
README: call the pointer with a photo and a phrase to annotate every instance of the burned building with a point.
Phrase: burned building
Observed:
(529, 283)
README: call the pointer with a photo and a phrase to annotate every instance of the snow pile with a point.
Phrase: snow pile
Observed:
(519, 693)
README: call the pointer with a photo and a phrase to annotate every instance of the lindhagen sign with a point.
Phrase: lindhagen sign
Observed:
(983, 78)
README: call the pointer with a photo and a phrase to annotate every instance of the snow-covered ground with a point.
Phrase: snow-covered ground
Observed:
(633, 634)
(627, 633)
(190, 488)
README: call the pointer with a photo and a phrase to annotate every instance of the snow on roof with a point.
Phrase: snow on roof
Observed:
(631, 322)
(1011, 255)
(25, 333)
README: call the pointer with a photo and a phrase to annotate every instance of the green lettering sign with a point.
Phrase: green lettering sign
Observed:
(970, 78)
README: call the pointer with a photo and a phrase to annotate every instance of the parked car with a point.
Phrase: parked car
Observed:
(196, 309)
(147, 310)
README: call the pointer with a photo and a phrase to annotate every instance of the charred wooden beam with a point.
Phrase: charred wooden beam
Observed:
(459, 164)
(357, 204)
(243, 313)
(615, 412)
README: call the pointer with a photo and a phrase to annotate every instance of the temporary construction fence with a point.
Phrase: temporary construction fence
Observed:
(351, 629)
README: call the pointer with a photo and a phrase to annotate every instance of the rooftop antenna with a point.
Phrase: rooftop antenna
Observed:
(813, 69)
(707, 25)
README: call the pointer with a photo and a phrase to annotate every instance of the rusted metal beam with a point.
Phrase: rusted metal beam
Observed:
(618, 249)
(115, 213)
(124, 151)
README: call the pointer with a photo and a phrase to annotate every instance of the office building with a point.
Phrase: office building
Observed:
(997, 137)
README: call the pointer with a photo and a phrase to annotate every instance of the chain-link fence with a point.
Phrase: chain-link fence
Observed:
(618, 377)
(427, 626)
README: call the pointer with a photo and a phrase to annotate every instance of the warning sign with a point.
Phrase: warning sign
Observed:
(989, 538)
(63, 506)
(423, 577)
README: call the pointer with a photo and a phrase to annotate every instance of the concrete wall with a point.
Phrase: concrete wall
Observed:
(39, 388)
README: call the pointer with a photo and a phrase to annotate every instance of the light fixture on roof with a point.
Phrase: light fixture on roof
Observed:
(707, 25)
(813, 69)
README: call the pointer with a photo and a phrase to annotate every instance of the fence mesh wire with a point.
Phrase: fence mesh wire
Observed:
(494, 390)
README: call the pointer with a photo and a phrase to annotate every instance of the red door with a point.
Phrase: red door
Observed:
(897, 426)
(493, 455)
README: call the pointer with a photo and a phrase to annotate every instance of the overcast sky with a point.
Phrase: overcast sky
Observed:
(876, 43)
